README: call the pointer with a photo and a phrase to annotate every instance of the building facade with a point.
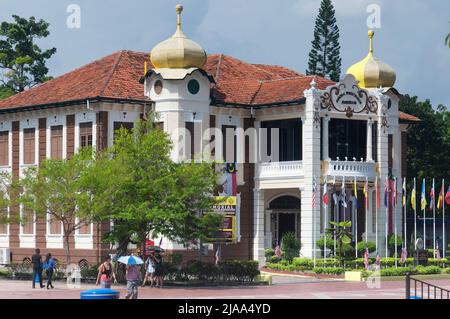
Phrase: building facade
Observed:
(287, 133)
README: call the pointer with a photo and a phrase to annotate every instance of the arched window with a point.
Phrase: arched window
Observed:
(285, 202)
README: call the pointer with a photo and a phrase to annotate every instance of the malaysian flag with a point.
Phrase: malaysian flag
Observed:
(366, 257)
(314, 193)
(325, 193)
(432, 196)
(403, 255)
(378, 260)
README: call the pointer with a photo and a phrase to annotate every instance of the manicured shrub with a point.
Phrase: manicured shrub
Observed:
(290, 245)
(269, 252)
(329, 262)
(428, 270)
(391, 243)
(275, 259)
(330, 271)
(307, 263)
(329, 244)
(362, 247)
(400, 271)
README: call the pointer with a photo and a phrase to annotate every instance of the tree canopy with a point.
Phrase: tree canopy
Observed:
(22, 61)
(324, 57)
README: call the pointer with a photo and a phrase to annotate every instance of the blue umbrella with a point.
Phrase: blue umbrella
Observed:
(130, 260)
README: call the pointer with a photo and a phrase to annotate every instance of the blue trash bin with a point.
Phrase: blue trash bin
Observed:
(415, 297)
(100, 294)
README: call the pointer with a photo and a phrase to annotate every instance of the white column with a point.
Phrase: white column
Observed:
(369, 156)
(310, 217)
(382, 160)
(325, 138)
(258, 223)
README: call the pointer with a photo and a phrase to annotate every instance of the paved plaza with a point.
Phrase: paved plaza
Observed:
(283, 288)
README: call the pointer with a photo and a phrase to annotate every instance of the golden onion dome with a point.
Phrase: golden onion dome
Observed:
(371, 72)
(178, 52)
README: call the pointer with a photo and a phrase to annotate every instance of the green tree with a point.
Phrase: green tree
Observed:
(153, 195)
(61, 190)
(22, 61)
(5, 92)
(343, 233)
(428, 142)
(324, 57)
(290, 245)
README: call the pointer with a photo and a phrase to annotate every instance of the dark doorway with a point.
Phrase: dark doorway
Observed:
(286, 223)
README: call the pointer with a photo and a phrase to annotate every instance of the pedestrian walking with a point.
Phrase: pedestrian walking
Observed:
(150, 270)
(133, 277)
(49, 267)
(106, 274)
(159, 276)
(36, 261)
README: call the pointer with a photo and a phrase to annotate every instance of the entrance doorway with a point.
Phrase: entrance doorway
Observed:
(284, 218)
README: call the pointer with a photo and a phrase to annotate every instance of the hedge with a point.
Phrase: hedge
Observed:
(331, 271)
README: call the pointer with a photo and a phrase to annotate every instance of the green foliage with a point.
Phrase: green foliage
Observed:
(362, 247)
(290, 245)
(428, 270)
(269, 252)
(63, 190)
(329, 244)
(307, 263)
(428, 152)
(148, 194)
(324, 57)
(400, 271)
(342, 231)
(5, 92)
(391, 244)
(21, 59)
(226, 271)
(275, 259)
(330, 271)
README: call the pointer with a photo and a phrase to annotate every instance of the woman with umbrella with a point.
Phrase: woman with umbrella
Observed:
(133, 275)
(150, 270)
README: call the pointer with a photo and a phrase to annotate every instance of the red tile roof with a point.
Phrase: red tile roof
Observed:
(117, 77)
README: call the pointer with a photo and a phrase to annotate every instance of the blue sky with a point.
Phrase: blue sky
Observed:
(411, 37)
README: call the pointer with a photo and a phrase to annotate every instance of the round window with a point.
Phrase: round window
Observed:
(158, 87)
(193, 86)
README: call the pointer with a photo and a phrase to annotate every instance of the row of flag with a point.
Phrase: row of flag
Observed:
(388, 187)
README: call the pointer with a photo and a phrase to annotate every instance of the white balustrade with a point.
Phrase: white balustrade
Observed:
(280, 169)
(351, 169)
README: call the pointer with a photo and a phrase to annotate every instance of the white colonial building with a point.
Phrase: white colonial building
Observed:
(319, 130)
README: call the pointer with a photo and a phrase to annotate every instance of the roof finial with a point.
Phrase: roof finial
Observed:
(370, 34)
(178, 10)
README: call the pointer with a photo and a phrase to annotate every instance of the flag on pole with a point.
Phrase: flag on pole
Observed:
(423, 200)
(413, 197)
(386, 193)
(441, 196)
(394, 193)
(377, 191)
(366, 257)
(447, 196)
(366, 199)
(432, 196)
(344, 200)
(355, 190)
(325, 193)
(378, 260)
(314, 193)
(404, 255)
(437, 254)
(404, 193)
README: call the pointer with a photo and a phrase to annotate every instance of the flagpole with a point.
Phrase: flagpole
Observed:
(444, 248)
(325, 225)
(376, 213)
(314, 223)
(395, 221)
(404, 209)
(336, 208)
(386, 201)
(366, 202)
(415, 216)
(355, 210)
(434, 219)
(424, 213)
